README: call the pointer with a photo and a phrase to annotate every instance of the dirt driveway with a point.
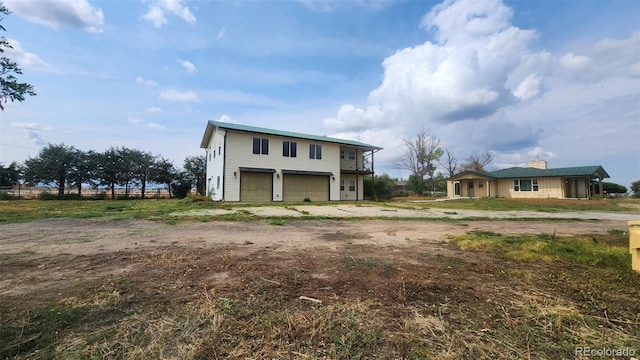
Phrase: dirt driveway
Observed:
(41, 260)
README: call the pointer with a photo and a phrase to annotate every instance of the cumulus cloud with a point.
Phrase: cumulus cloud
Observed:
(143, 81)
(227, 119)
(175, 95)
(607, 58)
(60, 13)
(25, 59)
(157, 10)
(134, 120)
(154, 109)
(188, 65)
(469, 72)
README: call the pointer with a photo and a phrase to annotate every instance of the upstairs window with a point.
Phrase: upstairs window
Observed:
(315, 151)
(352, 155)
(341, 154)
(289, 149)
(261, 146)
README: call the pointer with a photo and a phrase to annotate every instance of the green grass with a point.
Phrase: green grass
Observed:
(542, 205)
(600, 250)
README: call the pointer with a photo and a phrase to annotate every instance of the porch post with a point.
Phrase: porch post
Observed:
(600, 185)
(373, 179)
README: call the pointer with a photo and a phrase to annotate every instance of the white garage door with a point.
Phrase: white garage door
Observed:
(256, 187)
(299, 187)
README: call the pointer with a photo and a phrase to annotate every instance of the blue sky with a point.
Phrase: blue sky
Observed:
(556, 80)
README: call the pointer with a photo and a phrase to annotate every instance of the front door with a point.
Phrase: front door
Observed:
(470, 192)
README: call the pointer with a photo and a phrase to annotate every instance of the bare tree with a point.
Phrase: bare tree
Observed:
(422, 152)
(449, 162)
(477, 161)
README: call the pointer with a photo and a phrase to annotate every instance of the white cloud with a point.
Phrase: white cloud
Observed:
(154, 109)
(25, 59)
(141, 80)
(575, 62)
(175, 95)
(134, 120)
(59, 13)
(24, 125)
(467, 74)
(35, 138)
(226, 119)
(155, 126)
(220, 34)
(158, 8)
(188, 65)
(528, 88)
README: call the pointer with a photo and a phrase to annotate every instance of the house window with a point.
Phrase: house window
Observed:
(289, 149)
(341, 154)
(219, 150)
(352, 155)
(525, 185)
(480, 183)
(456, 188)
(352, 185)
(315, 151)
(341, 185)
(261, 146)
(218, 183)
(209, 156)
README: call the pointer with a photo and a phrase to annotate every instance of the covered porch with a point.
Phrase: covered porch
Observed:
(471, 184)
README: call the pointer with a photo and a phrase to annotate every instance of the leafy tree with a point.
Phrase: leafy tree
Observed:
(422, 153)
(163, 172)
(196, 170)
(10, 88)
(82, 170)
(416, 184)
(635, 187)
(109, 169)
(181, 185)
(612, 188)
(477, 161)
(140, 166)
(54, 164)
(9, 175)
(385, 187)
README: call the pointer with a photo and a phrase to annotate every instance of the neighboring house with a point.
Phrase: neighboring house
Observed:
(252, 164)
(536, 181)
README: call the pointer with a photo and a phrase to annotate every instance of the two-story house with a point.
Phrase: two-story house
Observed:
(253, 164)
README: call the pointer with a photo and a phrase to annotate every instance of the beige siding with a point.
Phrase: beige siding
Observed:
(240, 154)
(548, 188)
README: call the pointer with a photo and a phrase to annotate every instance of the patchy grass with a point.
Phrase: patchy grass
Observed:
(489, 296)
(542, 205)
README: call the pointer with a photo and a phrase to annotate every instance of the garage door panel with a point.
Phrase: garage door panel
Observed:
(256, 187)
(298, 187)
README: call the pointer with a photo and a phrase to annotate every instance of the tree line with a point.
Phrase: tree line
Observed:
(65, 166)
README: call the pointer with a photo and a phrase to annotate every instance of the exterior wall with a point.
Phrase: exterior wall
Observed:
(351, 195)
(352, 164)
(239, 153)
(215, 166)
(548, 188)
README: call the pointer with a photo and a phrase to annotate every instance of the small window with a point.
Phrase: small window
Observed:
(480, 183)
(218, 183)
(289, 149)
(535, 184)
(315, 151)
(516, 185)
(261, 146)
(219, 150)
(341, 154)
(341, 185)
(209, 156)
(352, 185)
(352, 155)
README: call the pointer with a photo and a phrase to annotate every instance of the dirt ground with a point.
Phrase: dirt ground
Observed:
(45, 260)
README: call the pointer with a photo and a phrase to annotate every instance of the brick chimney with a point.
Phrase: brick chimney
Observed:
(538, 164)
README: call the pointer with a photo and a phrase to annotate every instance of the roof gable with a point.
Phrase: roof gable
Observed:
(211, 125)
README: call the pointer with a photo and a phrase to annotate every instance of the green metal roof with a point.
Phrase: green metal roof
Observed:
(287, 134)
(522, 172)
